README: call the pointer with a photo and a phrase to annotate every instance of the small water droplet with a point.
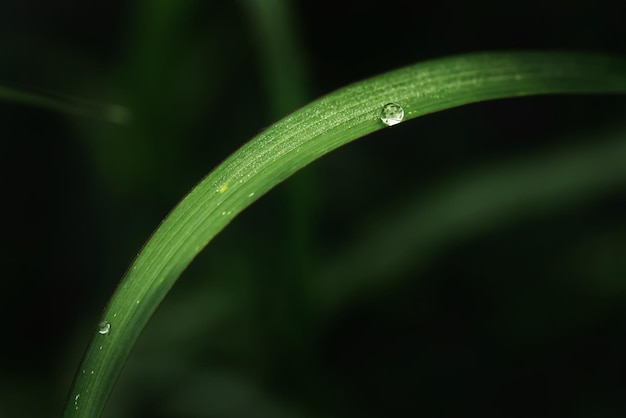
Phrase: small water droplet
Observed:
(251, 194)
(223, 188)
(104, 327)
(226, 213)
(392, 114)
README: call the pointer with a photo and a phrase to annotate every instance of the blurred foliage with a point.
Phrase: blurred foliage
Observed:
(486, 277)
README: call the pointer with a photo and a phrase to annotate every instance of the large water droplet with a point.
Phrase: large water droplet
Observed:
(392, 114)
(104, 327)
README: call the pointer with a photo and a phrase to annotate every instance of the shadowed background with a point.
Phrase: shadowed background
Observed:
(468, 263)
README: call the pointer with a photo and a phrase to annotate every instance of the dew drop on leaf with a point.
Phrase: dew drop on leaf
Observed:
(392, 114)
(104, 327)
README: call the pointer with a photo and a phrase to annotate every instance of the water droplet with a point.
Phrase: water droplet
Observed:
(104, 327)
(392, 114)
(251, 194)
(226, 213)
(223, 188)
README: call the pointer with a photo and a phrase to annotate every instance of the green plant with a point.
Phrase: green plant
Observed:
(290, 144)
(68, 105)
(465, 204)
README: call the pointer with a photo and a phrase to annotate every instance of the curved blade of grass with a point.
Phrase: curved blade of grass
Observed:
(65, 104)
(289, 145)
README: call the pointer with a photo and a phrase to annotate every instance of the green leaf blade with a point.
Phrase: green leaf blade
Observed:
(65, 104)
(292, 143)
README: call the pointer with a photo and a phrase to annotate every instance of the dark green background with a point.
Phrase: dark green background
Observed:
(518, 313)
